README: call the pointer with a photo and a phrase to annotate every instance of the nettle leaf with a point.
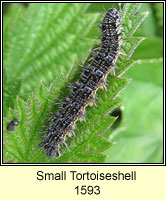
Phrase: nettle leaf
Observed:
(131, 19)
(47, 45)
(49, 39)
(10, 91)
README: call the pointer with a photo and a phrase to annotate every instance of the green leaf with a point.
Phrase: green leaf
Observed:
(47, 41)
(149, 49)
(131, 19)
(140, 137)
(10, 91)
(148, 28)
(46, 46)
(130, 45)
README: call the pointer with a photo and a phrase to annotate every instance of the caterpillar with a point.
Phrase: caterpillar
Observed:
(83, 92)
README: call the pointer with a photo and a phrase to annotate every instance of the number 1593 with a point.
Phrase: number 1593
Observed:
(88, 190)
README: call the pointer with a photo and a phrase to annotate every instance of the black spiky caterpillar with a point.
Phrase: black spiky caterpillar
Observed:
(83, 92)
